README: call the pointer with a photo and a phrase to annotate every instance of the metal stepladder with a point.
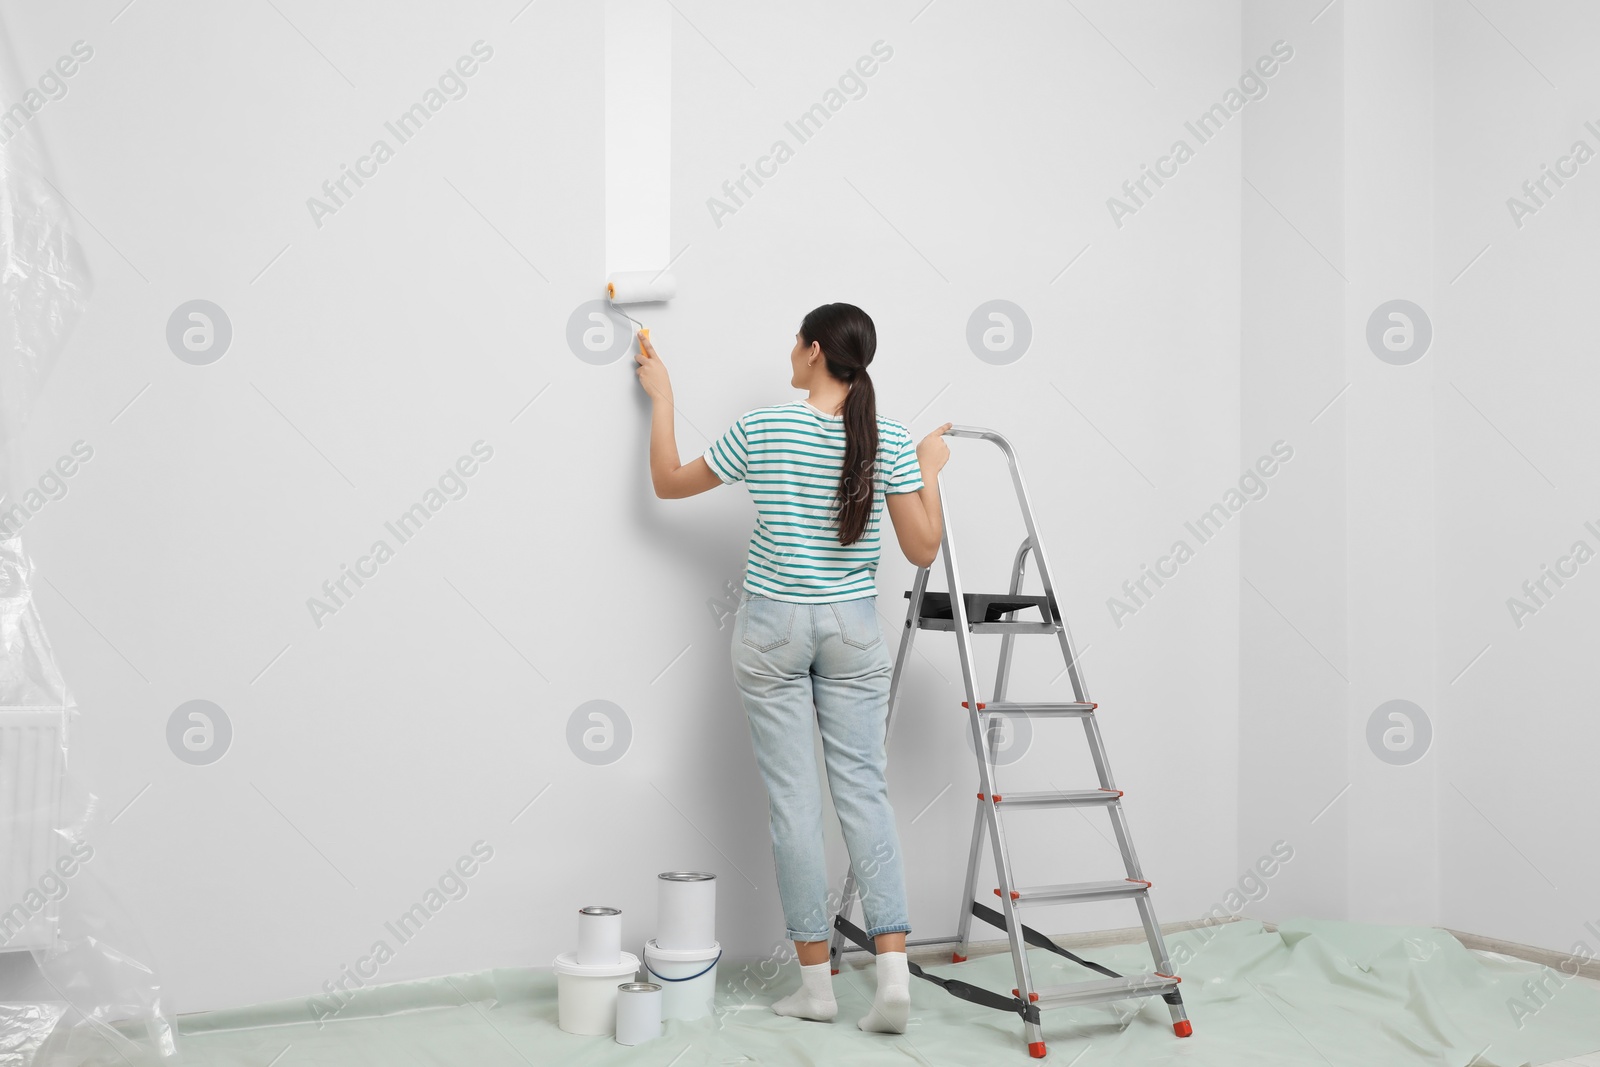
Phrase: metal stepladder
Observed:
(965, 614)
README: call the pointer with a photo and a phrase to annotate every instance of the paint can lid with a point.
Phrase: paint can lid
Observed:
(639, 987)
(687, 876)
(567, 963)
(597, 910)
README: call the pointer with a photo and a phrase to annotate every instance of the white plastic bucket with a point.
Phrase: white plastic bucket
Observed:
(587, 994)
(689, 978)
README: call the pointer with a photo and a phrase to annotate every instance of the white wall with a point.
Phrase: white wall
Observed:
(372, 752)
(1514, 408)
(1431, 489)
(1389, 476)
(1294, 645)
(1339, 568)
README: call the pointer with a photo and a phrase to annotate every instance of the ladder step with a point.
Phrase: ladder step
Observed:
(985, 613)
(1015, 707)
(1078, 892)
(1134, 985)
(1070, 798)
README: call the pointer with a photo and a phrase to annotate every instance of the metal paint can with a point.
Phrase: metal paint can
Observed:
(599, 936)
(686, 910)
(638, 1012)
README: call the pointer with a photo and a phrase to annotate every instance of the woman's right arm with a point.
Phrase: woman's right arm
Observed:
(917, 517)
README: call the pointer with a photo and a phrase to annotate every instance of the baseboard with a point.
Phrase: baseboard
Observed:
(1560, 962)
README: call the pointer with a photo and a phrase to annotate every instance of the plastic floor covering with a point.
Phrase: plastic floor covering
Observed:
(1322, 994)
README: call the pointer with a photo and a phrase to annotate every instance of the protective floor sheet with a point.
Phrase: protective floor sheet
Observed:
(1312, 992)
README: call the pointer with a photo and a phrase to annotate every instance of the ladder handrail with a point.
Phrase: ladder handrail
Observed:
(1080, 686)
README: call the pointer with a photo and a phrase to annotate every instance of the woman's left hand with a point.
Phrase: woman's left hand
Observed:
(652, 372)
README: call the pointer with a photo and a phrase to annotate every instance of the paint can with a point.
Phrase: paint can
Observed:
(686, 910)
(688, 978)
(599, 935)
(638, 1012)
(587, 994)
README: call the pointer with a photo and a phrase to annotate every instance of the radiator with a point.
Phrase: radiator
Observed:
(32, 765)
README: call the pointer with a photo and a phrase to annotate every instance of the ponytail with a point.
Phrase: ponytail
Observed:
(849, 341)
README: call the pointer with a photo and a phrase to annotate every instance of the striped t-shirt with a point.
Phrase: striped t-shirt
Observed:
(790, 456)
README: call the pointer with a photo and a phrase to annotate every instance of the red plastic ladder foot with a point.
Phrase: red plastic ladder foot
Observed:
(1036, 1049)
(1183, 1029)
(956, 957)
(834, 971)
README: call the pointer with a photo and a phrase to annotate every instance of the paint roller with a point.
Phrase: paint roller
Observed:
(640, 287)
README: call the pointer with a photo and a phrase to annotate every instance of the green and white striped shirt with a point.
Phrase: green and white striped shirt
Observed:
(790, 456)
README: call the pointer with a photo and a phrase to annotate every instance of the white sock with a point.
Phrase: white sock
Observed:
(814, 998)
(891, 1007)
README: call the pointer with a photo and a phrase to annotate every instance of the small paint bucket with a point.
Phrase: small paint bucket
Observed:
(587, 994)
(688, 977)
(638, 1012)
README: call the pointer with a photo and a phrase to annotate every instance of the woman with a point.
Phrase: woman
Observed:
(806, 640)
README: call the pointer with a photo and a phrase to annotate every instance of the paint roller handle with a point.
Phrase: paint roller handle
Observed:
(652, 373)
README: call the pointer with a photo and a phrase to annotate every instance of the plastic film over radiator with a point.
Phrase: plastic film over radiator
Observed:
(76, 981)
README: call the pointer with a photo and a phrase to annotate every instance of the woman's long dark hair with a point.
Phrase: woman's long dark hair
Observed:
(849, 341)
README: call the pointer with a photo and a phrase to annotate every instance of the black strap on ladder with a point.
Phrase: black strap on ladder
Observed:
(1038, 940)
(977, 994)
(954, 986)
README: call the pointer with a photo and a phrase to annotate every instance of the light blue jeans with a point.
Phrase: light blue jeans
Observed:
(828, 663)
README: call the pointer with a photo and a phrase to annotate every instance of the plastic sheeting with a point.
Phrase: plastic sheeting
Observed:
(99, 993)
(1311, 993)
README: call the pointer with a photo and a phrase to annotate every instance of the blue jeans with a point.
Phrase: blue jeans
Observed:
(828, 662)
